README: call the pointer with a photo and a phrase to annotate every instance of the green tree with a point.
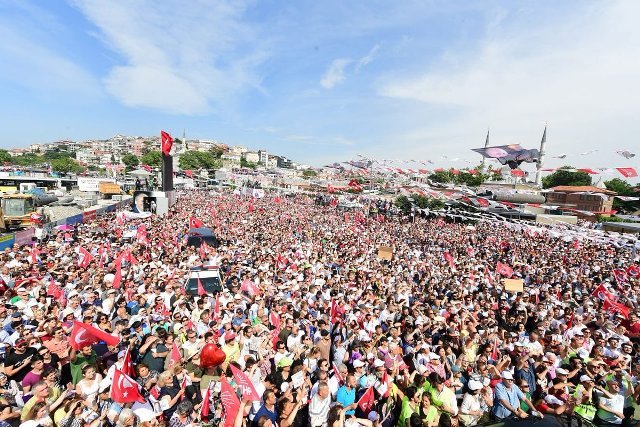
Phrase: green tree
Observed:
(245, 164)
(5, 157)
(28, 159)
(66, 165)
(216, 152)
(566, 177)
(309, 173)
(623, 188)
(443, 177)
(190, 160)
(423, 202)
(130, 160)
(152, 158)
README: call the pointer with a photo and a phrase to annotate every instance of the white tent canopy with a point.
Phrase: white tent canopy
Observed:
(140, 172)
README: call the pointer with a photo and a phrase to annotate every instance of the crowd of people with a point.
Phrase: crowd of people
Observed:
(329, 330)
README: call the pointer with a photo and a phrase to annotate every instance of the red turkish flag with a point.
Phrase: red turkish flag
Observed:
(366, 401)
(482, 202)
(127, 364)
(34, 252)
(449, 258)
(249, 286)
(85, 257)
(382, 386)
(195, 223)
(176, 355)
(206, 402)
(117, 277)
(124, 389)
(201, 289)
(587, 170)
(274, 319)
(83, 335)
(620, 275)
(617, 307)
(166, 142)
(337, 374)
(627, 172)
(517, 172)
(216, 308)
(54, 289)
(229, 400)
(504, 270)
(246, 386)
(633, 271)
(494, 350)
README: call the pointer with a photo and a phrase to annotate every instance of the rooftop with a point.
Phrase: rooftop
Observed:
(582, 189)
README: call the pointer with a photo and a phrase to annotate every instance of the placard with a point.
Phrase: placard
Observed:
(297, 379)
(514, 285)
(385, 252)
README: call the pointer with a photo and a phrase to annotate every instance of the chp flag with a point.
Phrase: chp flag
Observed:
(83, 335)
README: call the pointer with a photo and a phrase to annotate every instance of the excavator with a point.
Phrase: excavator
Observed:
(18, 210)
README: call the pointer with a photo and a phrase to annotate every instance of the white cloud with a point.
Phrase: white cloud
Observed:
(365, 60)
(335, 74)
(578, 72)
(176, 59)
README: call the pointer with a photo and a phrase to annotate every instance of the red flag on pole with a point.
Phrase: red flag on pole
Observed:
(176, 356)
(216, 308)
(85, 257)
(366, 401)
(246, 386)
(449, 258)
(337, 374)
(274, 319)
(117, 277)
(201, 290)
(229, 400)
(382, 386)
(504, 270)
(83, 335)
(248, 286)
(167, 142)
(494, 350)
(616, 307)
(195, 223)
(54, 289)
(206, 403)
(34, 252)
(124, 389)
(127, 364)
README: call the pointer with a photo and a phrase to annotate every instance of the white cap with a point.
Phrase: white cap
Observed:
(378, 363)
(506, 375)
(474, 385)
(584, 378)
(561, 371)
(358, 364)
(434, 356)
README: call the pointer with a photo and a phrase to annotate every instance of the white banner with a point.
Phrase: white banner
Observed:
(91, 184)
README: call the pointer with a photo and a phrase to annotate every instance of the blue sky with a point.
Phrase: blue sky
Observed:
(324, 81)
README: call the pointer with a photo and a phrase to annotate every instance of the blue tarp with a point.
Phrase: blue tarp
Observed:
(6, 241)
(74, 219)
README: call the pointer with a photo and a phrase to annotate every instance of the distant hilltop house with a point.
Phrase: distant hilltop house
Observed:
(585, 201)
